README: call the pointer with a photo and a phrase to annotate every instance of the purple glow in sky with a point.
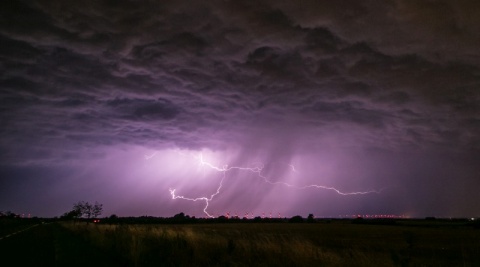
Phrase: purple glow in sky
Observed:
(116, 101)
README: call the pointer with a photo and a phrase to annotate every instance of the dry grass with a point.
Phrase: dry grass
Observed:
(335, 244)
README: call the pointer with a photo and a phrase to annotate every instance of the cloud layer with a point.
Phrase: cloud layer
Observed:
(278, 77)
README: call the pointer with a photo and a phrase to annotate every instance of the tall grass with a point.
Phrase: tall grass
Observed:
(283, 244)
(12, 225)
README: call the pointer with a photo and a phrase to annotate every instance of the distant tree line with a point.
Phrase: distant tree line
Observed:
(181, 218)
(9, 214)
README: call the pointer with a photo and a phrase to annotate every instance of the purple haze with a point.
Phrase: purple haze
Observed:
(358, 96)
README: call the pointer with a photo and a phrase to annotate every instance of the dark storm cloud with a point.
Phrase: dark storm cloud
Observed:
(204, 74)
(373, 93)
(138, 109)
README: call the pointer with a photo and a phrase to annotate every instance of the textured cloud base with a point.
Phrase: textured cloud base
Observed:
(366, 95)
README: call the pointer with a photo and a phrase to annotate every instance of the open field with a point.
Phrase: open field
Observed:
(8, 226)
(323, 243)
(49, 244)
(337, 243)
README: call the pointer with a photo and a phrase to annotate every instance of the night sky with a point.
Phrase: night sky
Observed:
(120, 101)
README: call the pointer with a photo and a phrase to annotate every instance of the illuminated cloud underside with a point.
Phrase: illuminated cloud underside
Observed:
(257, 170)
(358, 96)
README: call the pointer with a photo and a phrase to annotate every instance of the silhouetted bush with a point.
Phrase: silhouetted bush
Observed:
(296, 219)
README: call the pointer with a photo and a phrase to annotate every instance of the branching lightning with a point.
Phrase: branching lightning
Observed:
(258, 171)
(147, 157)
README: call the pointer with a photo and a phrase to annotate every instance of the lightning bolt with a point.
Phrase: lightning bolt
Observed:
(258, 171)
(147, 157)
(292, 167)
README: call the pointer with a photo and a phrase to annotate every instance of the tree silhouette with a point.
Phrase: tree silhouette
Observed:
(296, 219)
(80, 208)
(97, 209)
(84, 209)
(73, 214)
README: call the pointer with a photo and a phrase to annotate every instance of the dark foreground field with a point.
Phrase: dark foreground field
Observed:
(336, 243)
(50, 244)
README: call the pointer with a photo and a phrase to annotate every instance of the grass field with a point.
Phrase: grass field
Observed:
(339, 243)
(48, 244)
(8, 226)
